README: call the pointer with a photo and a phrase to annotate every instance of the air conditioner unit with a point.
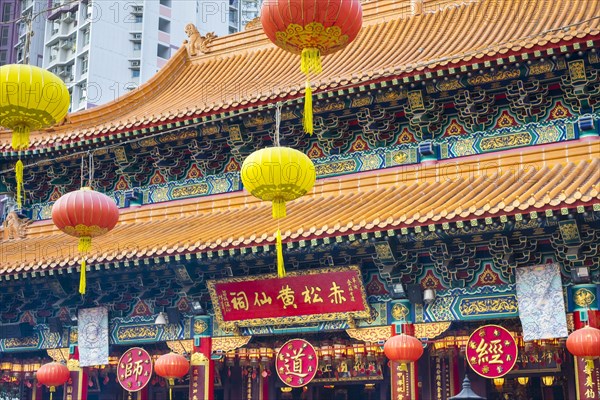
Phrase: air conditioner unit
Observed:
(61, 71)
(135, 63)
(137, 35)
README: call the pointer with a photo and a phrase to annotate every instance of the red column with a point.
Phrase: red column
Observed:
(404, 378)
(76, 387)
(202, 385)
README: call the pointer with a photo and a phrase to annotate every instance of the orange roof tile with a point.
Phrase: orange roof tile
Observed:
(504, 183)
(245, 68)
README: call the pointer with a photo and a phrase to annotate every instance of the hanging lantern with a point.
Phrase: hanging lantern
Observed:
(403, 348)
(523, 380)
(311, 28)
(498, 382)
(548, 380)
(85, 214)
(31, 99)
(52, 375)
(278, 174)
(171, 366)
(585, 343)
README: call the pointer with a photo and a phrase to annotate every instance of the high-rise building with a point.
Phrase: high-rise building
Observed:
(104, 49)
(8, 30)
(32, 20)
(241, 12)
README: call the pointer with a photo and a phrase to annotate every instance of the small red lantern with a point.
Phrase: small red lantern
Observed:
(312, 28)
(403, 348)
(585, 343)
(85, 214)
(171, 366)
(52, 375)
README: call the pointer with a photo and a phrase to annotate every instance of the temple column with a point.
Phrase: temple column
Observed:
(202, 386)
(585, 312)
(403, 377)
(76, 387)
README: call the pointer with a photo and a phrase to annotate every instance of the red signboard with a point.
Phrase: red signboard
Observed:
(587, 378)
(134, 369)
(316, 295)
(296, 363)
(492, 351)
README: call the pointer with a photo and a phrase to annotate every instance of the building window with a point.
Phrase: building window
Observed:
(6, 12)
(86, 37)
(135, 73)
(164, 25)
(138, 19)
(84, 65)
(3, 55)
(163, 51)
(137, 46)
(166, 3)
(4, 36)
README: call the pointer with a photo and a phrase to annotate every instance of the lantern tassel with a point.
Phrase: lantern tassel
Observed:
(20, 138)
(279, 247)
(84, 246)
(307, 122)
(278, 209)
(310, 63)
(20, 185)
(82, 280)
(171, 383)
(52, 390)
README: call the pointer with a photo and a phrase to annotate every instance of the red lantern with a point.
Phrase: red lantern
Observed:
(403, 348)
(584, 343)
(53, 374)
(311, 28)
(171, 366)
(85, 214)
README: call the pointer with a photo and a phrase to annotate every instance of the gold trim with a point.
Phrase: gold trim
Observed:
(371, 335)
(431, 330)
(73, 365)
(198, 359)
(181, 346)
(59, 355)
(229, 343)
(301, 319)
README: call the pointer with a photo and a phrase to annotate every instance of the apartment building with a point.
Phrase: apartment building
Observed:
(8, 31)
(241, 12)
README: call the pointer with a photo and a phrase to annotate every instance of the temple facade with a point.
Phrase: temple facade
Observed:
(457, 154)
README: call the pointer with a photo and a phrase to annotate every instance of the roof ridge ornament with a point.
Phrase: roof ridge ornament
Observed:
(197, 43)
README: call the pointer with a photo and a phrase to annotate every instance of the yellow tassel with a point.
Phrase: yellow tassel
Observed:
(82, 282)
(310, 61)
(278, 209)
(279, 246)
(52, 390)
(20, 186)
(85, 244)
(308, 110)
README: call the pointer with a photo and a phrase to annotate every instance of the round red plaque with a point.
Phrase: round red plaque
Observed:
(491, 351)
(296, 363)
(134, 369)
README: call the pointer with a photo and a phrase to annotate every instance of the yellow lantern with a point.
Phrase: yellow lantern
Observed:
(498, 382)
(523, 380)
(31, 98)
(278, 174)
(548, 380)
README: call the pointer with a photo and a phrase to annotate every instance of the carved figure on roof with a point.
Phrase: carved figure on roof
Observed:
(15, 226)
(197, 43)
(253, 24)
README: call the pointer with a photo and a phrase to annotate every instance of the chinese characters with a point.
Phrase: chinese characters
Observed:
(492, 351)
(296, 363)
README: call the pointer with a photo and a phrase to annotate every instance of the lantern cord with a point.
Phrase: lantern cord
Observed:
(81, 176)
(84, 246)
(19, 178)
(90, 168)
(279, 246)
(277, 123)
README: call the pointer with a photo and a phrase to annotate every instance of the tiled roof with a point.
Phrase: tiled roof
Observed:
(504, 183)
(245, 69)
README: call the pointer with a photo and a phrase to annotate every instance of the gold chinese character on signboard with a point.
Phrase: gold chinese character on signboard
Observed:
(486, 350)
(262, 299)
(134, 368)
(286, 295)
(336, 294)
(311, 295)
(239, 301)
